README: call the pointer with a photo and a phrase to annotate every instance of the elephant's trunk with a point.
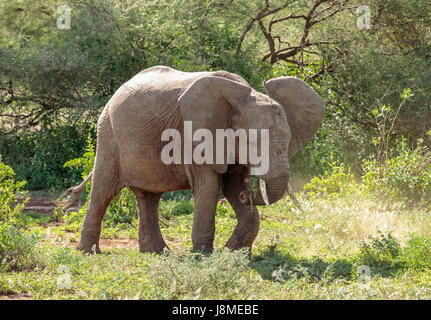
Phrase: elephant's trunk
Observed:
(269, 191)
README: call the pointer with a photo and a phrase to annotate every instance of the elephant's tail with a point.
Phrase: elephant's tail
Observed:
(75, 193)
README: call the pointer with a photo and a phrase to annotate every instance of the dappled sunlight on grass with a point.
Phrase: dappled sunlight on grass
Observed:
(338, 225)
(309, 254)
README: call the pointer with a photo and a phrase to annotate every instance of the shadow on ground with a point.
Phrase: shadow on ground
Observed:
(273, 264)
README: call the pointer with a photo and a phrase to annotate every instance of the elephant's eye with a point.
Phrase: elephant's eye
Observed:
(279, 152)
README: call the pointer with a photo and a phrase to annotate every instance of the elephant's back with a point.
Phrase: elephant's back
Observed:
(148, 102)
(162, 81)
(152, 92)
(156, 90)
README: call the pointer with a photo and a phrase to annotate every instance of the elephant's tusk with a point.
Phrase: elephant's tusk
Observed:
(262, 185)
(292, 196)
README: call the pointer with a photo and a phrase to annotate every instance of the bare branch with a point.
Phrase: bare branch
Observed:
(262, 14)
(320, 11)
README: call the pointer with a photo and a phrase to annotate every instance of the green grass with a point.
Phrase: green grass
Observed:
(314, 254)
(38, 218)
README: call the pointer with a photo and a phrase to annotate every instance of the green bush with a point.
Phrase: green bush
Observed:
(178, 195)
(405, 176)
(417, 252)
(382, 255)
(84, 163)
(10, 211)
(175, 208)
(379, 63)
(123, 209)
(72, 220)
(17, 250)
(184, 207)
(38, 156)
(386, 256)
(336, 182)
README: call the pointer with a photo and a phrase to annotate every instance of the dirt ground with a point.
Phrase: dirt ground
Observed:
(46, 205)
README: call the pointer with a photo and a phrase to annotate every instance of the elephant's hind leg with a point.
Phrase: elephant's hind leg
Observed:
(149, 235)
(103, 190)
(104, 187)
(246, 230)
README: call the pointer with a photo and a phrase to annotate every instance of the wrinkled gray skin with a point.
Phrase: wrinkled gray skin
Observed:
(129, 149)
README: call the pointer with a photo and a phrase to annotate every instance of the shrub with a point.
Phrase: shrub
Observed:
(325, 149)
(417, 252)
(86, 161)
(10, 211)
(38, 156)
(333, 183)
(382, 254)
(386, 256)
(72, 220)
(17, 250)
(405, 176)
(184, 207)
(176, 208)
(122, 209)
(179, 195)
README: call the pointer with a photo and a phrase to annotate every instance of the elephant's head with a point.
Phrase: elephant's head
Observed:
(292, 113)
(304, 111)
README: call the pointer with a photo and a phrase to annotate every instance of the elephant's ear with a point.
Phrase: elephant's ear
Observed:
(303, 106)
(209, 102)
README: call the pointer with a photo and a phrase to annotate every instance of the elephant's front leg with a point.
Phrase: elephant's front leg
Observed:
(236, 189)
(149, 235)
(205, 186)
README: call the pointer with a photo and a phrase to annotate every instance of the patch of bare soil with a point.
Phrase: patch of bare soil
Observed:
(15, 296)
(103, 243)
(68, 239)
(47, 204)
(118, 243)
(44, 204)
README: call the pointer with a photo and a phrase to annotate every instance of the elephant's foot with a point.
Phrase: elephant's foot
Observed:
(236, 242)
(206, 247)
(88, 247)
(88, 243)
(246, 230)
(236, 189)
(154, 246)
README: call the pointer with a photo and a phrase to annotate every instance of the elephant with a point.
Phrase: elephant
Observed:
(129, 146)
